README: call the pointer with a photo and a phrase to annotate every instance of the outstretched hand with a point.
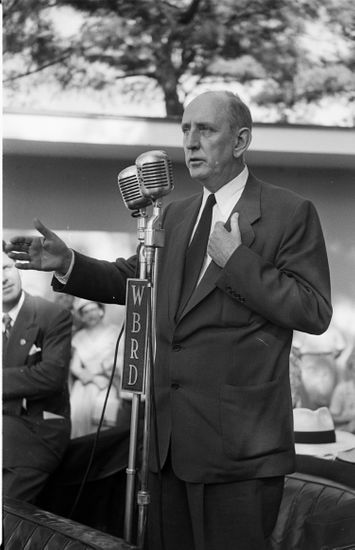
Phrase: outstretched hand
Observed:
(223, 243)
(45, 253)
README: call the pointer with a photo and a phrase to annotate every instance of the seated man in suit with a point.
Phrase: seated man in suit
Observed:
(36, 412)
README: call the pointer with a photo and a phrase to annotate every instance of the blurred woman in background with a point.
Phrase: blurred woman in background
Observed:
(91, 367)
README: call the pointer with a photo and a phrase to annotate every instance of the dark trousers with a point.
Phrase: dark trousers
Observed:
(236, 515)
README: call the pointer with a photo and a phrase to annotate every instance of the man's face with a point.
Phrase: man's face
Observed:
(209, 141)
(11, 283)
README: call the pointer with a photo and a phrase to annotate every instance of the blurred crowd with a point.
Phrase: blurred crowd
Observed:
(93, 378)
(322, 374)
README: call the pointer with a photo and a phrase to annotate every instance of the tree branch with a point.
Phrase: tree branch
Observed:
(185, 17)
(190, 13)
(38, 69)
(136, 73)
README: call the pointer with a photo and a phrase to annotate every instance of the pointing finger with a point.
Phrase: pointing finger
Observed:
(45, 231)
(235, 222)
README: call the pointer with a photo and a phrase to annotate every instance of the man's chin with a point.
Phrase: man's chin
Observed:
(10, 299)
(197, 174)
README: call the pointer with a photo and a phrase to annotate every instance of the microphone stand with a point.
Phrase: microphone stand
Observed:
(136, 400)
(154, 239)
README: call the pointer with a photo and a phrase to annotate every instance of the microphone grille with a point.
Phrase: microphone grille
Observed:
(130, 188)
(155, 172)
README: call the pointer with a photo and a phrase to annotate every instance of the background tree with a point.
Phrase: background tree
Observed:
(174, 46)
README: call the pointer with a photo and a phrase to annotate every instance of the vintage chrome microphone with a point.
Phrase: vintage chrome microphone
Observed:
(143, 185)
(131, 190)
(155, 175)
(133, 198)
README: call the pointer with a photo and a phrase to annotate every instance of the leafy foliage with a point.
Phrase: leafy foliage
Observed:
(173, 46)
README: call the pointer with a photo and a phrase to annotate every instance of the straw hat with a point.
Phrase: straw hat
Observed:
(315, 434)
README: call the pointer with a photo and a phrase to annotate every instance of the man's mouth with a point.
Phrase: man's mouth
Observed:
(7, 289)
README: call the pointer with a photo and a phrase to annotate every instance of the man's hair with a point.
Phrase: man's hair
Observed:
(239, 112)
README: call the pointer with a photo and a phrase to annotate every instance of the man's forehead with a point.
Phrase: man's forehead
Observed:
(204, 109)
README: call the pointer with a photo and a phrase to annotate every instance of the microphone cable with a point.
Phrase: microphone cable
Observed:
(93, 450)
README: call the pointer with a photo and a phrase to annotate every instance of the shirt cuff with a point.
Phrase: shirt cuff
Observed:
(63, 279)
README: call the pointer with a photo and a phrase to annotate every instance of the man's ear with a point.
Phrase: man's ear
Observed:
(242, 142)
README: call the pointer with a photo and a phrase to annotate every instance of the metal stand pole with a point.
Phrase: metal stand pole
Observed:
(154, 239)
(136, 401)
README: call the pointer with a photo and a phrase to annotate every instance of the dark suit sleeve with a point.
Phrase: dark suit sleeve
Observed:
(47, 371)
(293, 291)
(98, 280)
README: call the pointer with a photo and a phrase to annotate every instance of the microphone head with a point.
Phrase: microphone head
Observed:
(130, 188)
(155, 174)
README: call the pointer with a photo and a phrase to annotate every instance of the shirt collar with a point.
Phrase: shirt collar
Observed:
(15, 310)
(226, 196)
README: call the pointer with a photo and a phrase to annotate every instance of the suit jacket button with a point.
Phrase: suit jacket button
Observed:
(175, 386)
(176, 347)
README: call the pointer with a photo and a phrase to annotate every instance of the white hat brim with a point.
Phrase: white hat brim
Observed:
(344, 442)
(347, 456)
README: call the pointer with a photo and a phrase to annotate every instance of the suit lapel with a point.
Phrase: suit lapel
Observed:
(23, 334)
(249, 211)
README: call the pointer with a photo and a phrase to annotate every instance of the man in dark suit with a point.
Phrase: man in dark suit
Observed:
(223, 401)
(36, 413)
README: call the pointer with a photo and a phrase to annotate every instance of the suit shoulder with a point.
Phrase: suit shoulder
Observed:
(283, 195)
(177, 210)
(180, 204)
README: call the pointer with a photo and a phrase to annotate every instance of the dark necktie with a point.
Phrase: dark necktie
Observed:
(7, 324)
(195, 254)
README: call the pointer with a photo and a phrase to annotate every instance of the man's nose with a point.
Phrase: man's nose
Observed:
(193, 139)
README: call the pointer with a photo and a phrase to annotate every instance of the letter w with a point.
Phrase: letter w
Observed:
(137, 294)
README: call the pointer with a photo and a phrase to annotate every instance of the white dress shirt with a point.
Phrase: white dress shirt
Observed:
(226, 198)
(13, 313)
